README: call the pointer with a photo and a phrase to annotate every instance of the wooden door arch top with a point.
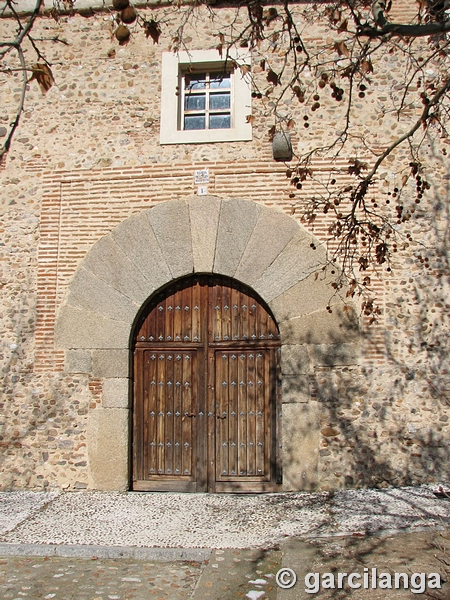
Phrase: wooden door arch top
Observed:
(259, 246)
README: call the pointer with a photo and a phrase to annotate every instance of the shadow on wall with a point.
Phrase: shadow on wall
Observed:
(42, 416)
(384, 424)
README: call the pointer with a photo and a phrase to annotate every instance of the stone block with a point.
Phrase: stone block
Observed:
(110, 264)
(272, 232)
(236, 223)
(111, 362)
(294, 359)
(89, 292)
(331, 355)
(78, 361)
(76, 328)
(170, 222)
(321, 327)
(136, 238)
(295, 263)
(116, 393)
(204, 215)
(300, 446)
(295, 388)
(309, 295)
(108, 449)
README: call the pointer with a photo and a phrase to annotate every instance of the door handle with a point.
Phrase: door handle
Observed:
(222, 417)
(190, 416)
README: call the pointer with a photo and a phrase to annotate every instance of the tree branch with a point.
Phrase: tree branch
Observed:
(384, 27)
(6, 145)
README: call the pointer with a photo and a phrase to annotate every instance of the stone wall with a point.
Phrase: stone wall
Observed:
(86, 157)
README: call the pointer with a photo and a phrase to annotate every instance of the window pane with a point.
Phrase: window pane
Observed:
(194, 122)
(219, 122)
(194, 102)
(195, 82)
(219, 101)
(219, 80)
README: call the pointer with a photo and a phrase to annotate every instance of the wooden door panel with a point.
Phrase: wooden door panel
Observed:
(244, 416)
(205, 394)
(165, 424)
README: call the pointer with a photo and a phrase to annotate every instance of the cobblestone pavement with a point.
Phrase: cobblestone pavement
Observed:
(99, 546)
(232, 574)
(88, 579)
(174, 520)
(228, 575)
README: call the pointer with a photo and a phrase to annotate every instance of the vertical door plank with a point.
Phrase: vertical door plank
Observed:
(233, 413)
(242, 412)
(168, 416)
(234, 308)
(252, 324)
(221, 414)
(244, 307)
(160, 410)
(177, 412)
(197, 312)
(188, 413)
(177, 335)
(226, 311)
(262, 410)
(251, 413)
(160, 321)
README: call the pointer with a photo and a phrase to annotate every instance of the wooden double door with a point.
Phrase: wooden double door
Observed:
(206, 390)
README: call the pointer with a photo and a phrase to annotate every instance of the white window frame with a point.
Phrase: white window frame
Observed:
(173, 67)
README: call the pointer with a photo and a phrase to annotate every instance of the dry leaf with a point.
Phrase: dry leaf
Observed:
(343, 26)
(250, 119)
(366, 66)
(153, 30)
(272, 77)
(290, 124)
(245, 69)
(43, 75)
(341, 49)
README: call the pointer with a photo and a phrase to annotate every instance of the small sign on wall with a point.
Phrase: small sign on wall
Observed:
(201, 176)
(202, 190)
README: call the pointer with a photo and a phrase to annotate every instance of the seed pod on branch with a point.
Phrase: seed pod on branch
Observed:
(122, 34)
(120, 4)
(128, 15)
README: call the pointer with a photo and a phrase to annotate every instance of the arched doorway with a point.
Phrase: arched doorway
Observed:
(206, 390)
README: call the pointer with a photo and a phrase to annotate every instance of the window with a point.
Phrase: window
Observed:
(204, 99)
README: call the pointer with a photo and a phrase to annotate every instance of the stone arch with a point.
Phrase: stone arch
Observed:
(260, 246)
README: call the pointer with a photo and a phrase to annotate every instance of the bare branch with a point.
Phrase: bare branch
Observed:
(384, 27)
(6, 145)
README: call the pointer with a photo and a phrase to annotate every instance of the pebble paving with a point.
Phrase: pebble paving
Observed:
(57, 578)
